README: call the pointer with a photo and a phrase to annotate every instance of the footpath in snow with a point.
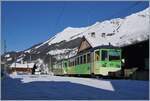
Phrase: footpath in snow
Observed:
(44, 87)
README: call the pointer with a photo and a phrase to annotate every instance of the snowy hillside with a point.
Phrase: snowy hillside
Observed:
(118, 32)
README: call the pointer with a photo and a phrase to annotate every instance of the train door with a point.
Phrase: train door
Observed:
(96, 61)
(89, 61)
(65, 67)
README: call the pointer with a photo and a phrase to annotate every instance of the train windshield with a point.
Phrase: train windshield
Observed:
(114, 55)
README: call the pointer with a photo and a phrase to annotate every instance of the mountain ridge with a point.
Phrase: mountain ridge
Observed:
(119, 31)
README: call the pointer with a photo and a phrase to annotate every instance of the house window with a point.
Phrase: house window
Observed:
(104, 55)
(97, 55)
(93, 34)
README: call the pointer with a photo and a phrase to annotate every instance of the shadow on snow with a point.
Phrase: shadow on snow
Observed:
(53, 90)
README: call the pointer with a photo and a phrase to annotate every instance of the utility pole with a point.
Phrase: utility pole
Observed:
(31, 56)
(27, 63)
(50, 63)
(15, 60)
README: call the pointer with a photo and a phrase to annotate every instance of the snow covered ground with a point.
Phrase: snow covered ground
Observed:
(44, 87)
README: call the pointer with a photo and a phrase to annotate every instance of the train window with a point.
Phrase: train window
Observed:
(97, 55)
(69, 63)
(81, 60)
(84, 58)
(88, 58)
(75, 61)
(104, 55)
(78, 60)
(114, 55)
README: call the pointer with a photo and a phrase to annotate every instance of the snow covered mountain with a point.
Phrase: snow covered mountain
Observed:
(119, 28)
(118, 32)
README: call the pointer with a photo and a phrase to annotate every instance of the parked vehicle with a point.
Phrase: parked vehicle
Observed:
(97, 61)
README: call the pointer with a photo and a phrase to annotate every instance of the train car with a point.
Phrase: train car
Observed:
(97, 61)
(59, 67)
(95, 56)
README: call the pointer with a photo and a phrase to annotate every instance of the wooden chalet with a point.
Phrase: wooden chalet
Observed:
(22, 68)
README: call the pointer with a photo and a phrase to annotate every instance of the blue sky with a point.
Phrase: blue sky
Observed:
(28, 23)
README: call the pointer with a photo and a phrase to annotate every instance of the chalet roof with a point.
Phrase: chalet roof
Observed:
(116, 40)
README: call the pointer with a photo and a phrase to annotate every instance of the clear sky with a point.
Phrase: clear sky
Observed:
(28, 23)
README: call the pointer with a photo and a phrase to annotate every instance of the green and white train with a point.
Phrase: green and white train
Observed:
(97, 61)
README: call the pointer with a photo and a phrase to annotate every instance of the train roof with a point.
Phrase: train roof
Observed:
(96, 41)
(98, 47)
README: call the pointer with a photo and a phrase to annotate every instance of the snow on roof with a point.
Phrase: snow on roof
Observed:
(19, 59)
(120, 32)
(28, 51)
(18, 65)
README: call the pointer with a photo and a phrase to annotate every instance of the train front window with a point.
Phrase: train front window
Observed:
(114, 55)
(104, 55)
